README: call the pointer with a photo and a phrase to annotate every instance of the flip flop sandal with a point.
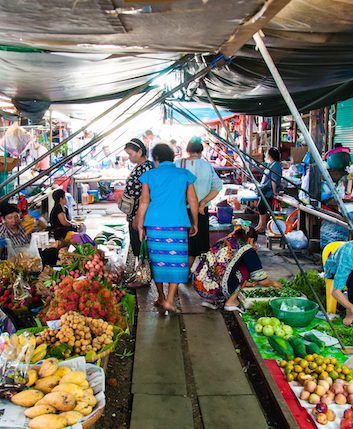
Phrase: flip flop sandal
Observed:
(233, 308)
(209, 305)
(171, 310)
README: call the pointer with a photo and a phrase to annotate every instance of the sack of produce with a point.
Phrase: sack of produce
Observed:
(297, 240)
(27, 258)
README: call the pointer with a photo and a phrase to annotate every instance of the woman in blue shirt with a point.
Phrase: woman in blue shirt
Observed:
(166, 190)
(339, 267)
(270, 185)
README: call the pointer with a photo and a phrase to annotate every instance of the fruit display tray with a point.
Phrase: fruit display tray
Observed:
(338, 409)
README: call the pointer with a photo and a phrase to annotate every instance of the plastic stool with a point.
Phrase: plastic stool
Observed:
(331, 303)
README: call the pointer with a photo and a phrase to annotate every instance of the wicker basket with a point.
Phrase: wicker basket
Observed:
(89, 424)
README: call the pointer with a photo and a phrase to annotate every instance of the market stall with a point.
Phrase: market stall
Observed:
(298, 353)
(72, 316)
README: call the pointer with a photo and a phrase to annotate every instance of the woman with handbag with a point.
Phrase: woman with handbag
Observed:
(166, 190)
(129, 202)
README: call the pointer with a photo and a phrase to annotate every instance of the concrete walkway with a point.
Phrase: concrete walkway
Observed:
(186, 371)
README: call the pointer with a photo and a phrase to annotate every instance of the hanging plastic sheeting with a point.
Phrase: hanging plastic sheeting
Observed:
(33, 110)
(121, 27)
(314, 77)
(15, 140)
(311, 43)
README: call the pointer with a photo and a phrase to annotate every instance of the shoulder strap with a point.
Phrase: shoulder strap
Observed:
(183, 163)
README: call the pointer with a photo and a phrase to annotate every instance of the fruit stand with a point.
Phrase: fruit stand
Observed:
(53, 368)
(309, 375)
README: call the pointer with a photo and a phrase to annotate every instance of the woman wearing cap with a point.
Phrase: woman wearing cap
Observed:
(163, 213)
(207, 186)
(137, 152)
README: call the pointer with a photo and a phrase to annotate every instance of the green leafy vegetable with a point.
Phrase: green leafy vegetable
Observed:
(260, 309)
(271, 292)
(344, 332)
(318, 283)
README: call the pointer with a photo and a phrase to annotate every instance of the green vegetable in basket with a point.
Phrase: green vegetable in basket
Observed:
(314, 339)
(298, 346)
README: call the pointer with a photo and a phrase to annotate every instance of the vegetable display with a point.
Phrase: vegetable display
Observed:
(271, 292)
(300, 285)
(260, 309)
(344, 332)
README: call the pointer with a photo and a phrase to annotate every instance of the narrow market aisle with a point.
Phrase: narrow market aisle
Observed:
(186, 371)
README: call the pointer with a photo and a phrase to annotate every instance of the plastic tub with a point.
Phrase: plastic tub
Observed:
(297, 319)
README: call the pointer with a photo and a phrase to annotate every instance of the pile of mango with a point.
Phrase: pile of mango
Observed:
(57, 396)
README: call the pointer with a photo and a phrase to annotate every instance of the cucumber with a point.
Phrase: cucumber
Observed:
(281, 347)
(312, 348)
(298, 346)
(314, 339)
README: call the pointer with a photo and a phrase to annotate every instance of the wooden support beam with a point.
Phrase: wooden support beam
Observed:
(252, 25)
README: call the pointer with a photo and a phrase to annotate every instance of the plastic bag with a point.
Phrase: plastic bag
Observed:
(26, 258)
(21, 289)
(305, 186)
(116, 268)
(6, 324)
(330, 232)
(15, 356)
(297, 239)
(326, 193)
(16, 139)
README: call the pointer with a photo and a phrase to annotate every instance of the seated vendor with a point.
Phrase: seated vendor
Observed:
(59, 217)
(339, 267)
(11, 229)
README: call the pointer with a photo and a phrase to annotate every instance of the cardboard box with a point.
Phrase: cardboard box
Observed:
(297, 154)
(11, 163)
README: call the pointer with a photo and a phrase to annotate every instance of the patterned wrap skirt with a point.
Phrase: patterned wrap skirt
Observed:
(168, 252)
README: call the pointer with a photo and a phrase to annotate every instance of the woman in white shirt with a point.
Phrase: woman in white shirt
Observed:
(207, 187)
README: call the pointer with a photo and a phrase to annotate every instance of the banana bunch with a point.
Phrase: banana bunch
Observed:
(28, 224)
(39, 353)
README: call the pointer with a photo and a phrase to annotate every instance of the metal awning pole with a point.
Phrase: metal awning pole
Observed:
(293, 108)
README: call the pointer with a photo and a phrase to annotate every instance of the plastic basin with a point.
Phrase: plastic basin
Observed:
(297, 319)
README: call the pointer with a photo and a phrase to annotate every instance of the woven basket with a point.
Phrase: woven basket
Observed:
(88, 424)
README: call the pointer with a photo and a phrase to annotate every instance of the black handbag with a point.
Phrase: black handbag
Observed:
(126, 204)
